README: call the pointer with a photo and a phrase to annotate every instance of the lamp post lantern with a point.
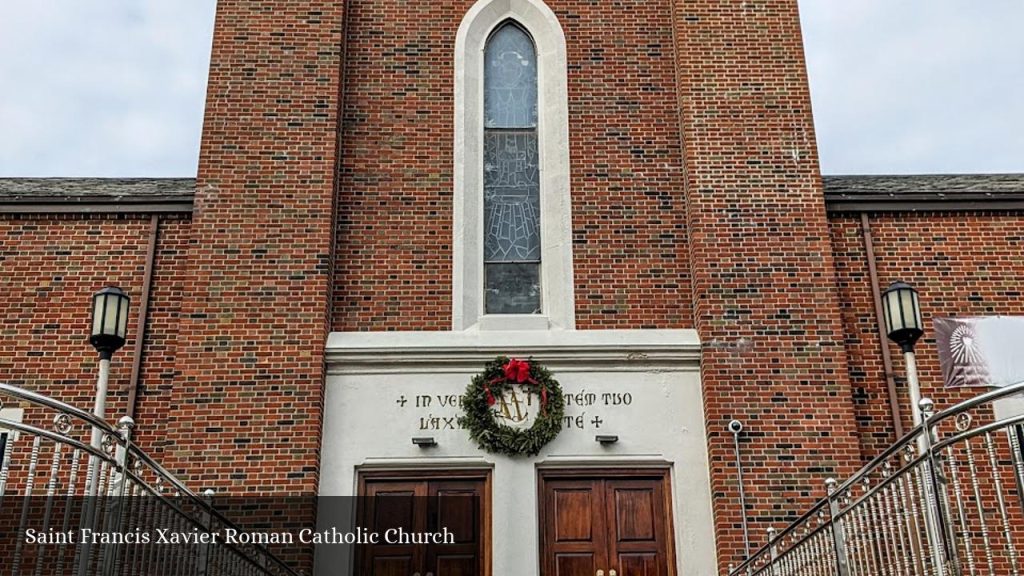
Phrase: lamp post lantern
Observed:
(109, 321)
(108, 334)
(902, 310)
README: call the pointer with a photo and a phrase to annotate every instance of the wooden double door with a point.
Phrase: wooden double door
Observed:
(591, 523)
(416, 503)
(615, 523)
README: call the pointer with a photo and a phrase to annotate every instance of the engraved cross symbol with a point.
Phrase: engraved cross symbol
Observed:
(597, 421)
(401, 401)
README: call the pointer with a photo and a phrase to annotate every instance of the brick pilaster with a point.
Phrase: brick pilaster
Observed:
(764, 292)
(247, 409)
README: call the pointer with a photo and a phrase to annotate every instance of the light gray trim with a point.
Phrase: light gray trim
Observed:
(466, 351)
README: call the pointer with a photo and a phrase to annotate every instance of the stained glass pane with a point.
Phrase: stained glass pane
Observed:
(511, 197)
(510, 80)
(512, 288)
(511, 175)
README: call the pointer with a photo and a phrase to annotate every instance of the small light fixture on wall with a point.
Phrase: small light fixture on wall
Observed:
(424, 442)
(606, 439)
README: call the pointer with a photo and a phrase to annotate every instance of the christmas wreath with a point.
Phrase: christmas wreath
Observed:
(489, 388)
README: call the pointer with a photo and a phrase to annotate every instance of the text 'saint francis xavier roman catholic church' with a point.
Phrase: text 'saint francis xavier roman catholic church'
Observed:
(392, 194)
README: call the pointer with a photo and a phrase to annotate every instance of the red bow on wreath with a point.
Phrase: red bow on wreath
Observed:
(517, 371)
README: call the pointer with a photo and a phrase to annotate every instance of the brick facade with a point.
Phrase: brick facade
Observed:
(51, 267)
(395, 182)
(323, 202)
(961, 263)
(256, 289)
(764, 296)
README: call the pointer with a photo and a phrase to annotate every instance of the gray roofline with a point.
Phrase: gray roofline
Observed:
(29, 206)
(925, 203)
(924, 193)
(96, 195)
(842, 194)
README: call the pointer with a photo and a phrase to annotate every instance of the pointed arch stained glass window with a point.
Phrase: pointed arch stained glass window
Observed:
(511, 174)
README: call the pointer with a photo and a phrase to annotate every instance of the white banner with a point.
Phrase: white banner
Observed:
(987, 351)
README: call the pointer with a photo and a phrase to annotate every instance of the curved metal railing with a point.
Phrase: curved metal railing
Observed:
(946, 499)
(53, 482)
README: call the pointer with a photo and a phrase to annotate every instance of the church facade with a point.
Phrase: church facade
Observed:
(391, 195)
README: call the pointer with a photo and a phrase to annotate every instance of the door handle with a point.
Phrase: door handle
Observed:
(600, 573)
(611, 573)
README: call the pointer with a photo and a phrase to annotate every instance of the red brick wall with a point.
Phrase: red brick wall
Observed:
(159, 374)
(764, 289)
(256, 291)
(51, 267)
(395, 204)
(961, 263)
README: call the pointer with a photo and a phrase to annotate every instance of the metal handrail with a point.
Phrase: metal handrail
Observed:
(981, 399)
(118, 468)
(988, 428)
(54, 436)
(41, 400)
(918, 507)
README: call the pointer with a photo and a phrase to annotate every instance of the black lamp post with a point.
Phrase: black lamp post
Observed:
(902, 310)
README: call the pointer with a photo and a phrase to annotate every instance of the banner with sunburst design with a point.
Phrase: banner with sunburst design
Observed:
(986, 351)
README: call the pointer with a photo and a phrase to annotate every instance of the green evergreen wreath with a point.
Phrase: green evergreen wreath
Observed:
(498, 378)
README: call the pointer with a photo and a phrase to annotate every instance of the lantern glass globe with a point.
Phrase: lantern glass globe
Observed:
(902, 310)
(109, 320)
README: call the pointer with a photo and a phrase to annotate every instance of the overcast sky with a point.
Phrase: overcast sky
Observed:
(116, 87)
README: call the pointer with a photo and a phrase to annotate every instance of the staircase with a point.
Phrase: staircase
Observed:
(54, 483)
(946, 500)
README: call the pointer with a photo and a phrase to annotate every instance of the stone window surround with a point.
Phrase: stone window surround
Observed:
(557, 293)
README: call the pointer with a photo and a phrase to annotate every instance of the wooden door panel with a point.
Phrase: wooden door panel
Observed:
(642, 564)
(572, 521)
(456, 566)
(638, 535)
(575, 564)
(634, 514)
(458, 509)
(392, 566)
(394, 507)
(573, 514)
(391, 505)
